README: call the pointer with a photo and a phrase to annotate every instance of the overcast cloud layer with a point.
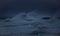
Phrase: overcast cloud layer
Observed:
(12, 7)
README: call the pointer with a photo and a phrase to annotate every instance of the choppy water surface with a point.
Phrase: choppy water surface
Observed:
(30, 24)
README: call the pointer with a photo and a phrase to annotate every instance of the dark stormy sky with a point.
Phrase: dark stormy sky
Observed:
(12, 7)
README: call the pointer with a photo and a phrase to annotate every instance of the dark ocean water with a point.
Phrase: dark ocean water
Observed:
(30, 24)
(29, 18)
